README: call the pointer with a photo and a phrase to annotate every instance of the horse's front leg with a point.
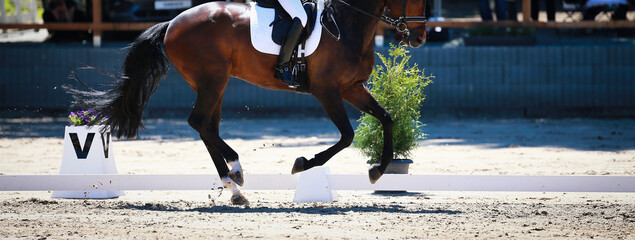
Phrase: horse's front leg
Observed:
(359, 97)
(334, 106)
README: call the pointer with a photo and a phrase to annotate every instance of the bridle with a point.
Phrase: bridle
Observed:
(400, 23)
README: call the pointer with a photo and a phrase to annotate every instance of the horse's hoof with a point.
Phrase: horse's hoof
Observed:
(374, 174)
(298, 166)
(237, 177)
(239, 199)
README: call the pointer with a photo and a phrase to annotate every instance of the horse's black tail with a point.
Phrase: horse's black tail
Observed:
(145, 66)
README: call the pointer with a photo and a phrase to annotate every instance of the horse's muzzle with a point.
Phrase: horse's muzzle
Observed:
(415, 41)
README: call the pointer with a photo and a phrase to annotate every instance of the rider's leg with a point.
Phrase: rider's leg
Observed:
(295, 10)
(282, 69)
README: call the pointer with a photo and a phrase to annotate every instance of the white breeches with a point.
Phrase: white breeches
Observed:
(294, 9)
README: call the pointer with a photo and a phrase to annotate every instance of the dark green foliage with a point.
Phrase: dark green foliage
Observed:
(399, 88)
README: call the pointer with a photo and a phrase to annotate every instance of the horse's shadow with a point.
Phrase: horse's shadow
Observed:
(321, 209)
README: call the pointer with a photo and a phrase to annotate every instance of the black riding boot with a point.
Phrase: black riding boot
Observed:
(282, 71)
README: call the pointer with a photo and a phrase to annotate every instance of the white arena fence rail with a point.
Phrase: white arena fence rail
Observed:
(513, 183)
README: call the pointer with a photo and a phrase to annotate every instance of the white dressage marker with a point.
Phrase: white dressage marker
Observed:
(314, 186)
(87, 151)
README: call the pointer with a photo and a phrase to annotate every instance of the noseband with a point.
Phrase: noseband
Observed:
(400, 23)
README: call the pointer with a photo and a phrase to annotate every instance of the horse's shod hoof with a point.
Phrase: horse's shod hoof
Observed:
(374, 174)
(237, 177)
(239, 199)
(298, 166)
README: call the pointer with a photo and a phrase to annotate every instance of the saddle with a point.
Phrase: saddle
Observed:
(281, 24)
(282, 21)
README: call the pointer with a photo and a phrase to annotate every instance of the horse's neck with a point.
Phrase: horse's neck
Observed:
(356, 26)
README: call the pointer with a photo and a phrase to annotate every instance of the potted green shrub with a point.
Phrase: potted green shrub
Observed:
(398, 87)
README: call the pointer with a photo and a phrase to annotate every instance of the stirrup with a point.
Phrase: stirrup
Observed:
(283, 74)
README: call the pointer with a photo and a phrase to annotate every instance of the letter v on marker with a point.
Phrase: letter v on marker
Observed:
(82, 153)
(105, 142)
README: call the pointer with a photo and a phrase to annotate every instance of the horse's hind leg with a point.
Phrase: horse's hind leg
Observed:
(205, 119)
(228, 182)
(359, 97)
(236, 174)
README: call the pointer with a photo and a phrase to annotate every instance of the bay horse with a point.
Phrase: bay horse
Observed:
(211, 42)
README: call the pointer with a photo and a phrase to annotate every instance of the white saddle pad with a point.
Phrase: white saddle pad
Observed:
(261, 31)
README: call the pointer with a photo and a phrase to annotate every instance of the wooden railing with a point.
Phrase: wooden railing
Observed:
(97, 26)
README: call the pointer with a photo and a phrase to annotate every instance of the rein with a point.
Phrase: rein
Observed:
(399, 23)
